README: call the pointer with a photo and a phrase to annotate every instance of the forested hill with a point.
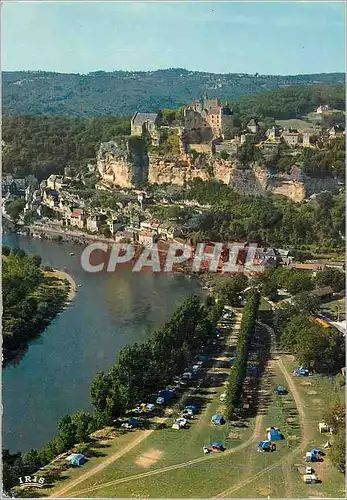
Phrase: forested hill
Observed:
(121, 93)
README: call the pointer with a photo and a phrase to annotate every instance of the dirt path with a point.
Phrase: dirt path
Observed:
(60, 492)
(303, 427)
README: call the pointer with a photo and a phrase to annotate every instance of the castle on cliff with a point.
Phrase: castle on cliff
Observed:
(217, 116)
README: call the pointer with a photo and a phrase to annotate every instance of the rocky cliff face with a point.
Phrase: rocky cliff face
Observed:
(126, 164)
(123, 163)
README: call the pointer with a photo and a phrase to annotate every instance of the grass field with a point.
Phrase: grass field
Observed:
(297, 124)
(334, 307)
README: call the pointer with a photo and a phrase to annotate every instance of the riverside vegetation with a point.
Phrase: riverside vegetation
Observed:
(140, 370)
(31, 299)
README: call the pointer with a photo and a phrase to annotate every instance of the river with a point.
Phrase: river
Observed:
(108, 312)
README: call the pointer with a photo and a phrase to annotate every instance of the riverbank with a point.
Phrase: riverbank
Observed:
(62, 275)
(58, 289)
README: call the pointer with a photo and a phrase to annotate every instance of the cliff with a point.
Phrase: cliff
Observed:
(126, 166)
(124, 162)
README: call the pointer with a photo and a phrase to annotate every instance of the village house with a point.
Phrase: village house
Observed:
(322, 108)
(94, 223)
(273, 134)
(147, 238)
(306, 139)
(149, 225)
(253, 126)
(50, 198)
(114, 226)
(217, 116)
(266, 257)
(78, 218)
(291, 138)
(169, 232)
(123, 237)
(323, 294)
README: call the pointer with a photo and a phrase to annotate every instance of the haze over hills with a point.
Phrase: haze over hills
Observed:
(121, 93)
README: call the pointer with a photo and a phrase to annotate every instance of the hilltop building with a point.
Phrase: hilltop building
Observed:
(253, 126)
(215, 115)
(142, 123)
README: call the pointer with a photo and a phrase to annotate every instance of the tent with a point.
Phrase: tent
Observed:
(310, 478)
(191, 408)
(264, 445)
(217, 446)
(301, 372)
(132, 421)
(274, 435)
(218, 419)
(164, 396)
(281, 390)
(180, 423)
(317, 451)
(311, 457)
(76, 459)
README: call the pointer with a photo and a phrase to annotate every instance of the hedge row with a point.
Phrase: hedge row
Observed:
(246, 333)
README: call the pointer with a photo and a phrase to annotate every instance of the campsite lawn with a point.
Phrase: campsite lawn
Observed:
(102, 450)
(168, 447)
(316, 397)
(207, 478)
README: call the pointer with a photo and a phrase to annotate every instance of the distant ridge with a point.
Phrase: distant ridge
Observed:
(121, 93)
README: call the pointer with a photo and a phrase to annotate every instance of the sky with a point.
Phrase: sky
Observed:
(235, 37)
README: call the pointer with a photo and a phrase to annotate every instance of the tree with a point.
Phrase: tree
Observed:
(269, 287)
(15, 208)
(306, 302)
(334, 416)
(33, 459)
(299, 282)
(99, 391)
(229, 289)
(224, 155)
(338, 451)
(84, 425)
(105, 231)
(331, 277)
(67, 432)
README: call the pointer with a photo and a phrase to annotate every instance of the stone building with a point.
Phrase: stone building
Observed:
(142, 123)
(291, 138)
(253, 126)
(78, 218)
(210, 112)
